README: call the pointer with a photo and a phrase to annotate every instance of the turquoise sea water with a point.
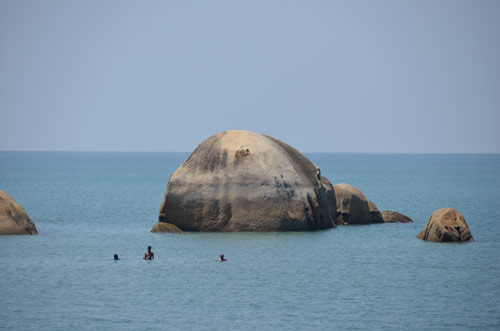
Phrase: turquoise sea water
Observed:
(88, 206)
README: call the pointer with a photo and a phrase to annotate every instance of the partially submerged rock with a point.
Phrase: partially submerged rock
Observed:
(244, 181)
(328, 195)
(164, 227)
(352, 206)
(395, 217)
(375, 215)
(13, 218)
(446, 225)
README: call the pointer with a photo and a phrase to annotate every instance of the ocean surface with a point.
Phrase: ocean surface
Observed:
(88, 206)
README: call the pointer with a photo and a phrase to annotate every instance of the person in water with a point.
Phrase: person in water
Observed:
(221, 258)
(116, 257)
(149, 255)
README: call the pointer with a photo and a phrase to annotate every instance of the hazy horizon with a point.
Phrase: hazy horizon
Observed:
(324, 76)
(188, 152)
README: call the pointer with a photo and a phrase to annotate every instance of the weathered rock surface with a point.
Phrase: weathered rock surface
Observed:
(13, 218)
(328, 192)
(395, 217)
(375, 215)
(352, 206)
(164, 227)
(446, 225)
(244, 181)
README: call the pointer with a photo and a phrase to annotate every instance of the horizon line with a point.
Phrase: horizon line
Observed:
(132, 151)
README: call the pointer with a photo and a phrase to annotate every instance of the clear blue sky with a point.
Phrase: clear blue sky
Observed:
(323, 76)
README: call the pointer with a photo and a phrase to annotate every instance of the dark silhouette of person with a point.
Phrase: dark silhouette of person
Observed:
(149, 255)
(221, 258)
(116, 257)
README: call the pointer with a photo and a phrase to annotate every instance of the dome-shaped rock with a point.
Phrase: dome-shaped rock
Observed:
(164, 227)
(395, 217)
(352, 206)
(375, 215)
(13, 218)
(244, 181)
(446, 225)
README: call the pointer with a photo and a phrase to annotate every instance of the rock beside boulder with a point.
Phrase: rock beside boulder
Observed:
(245, 181)
(164, 227)
(446, 225)
(13, 218)
(375, 215)
(395, 217)
(352, 206)
(328, 195)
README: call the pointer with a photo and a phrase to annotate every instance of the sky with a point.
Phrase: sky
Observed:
(356, 76)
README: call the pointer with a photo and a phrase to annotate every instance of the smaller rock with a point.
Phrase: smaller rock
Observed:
(164, 227)
(446, 225)
(352, 206)
(328, 193)
(394, 217)
(13, 218)
(375, 215)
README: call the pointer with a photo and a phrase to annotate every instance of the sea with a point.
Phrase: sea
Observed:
(88, 206)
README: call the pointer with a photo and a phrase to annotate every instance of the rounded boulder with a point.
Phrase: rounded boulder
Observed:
(13, 218)
(164, 227)
(395, 217)
(446, 225)
(352, 206)
(375, 215)
(245, 181)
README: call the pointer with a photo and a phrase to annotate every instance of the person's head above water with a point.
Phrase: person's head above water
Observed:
(149, 255)
(116, 257)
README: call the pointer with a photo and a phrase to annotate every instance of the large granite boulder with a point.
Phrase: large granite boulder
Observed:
(13, 218)
(375, 215)
(446, 225)
(395, 217)
(352, 206)
(244, 181)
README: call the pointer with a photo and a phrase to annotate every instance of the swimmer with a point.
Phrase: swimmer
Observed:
(149, 255)
(221, 258)
(116, 257)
